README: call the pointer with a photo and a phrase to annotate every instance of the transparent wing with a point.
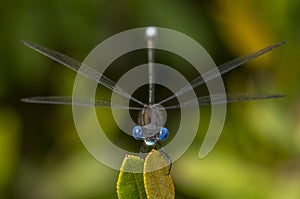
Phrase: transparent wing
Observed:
(78, 101)
(85, 70)
(224, 99)
(220, 70)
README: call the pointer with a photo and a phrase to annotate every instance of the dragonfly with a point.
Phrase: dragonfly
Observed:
(150, 127)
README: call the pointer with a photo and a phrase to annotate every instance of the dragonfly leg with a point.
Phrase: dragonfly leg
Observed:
(143, 151)
(166, 156)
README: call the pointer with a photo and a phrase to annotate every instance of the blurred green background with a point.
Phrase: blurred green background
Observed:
(257, 155)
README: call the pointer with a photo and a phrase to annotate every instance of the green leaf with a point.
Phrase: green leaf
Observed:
(158, 181)
(130, 181)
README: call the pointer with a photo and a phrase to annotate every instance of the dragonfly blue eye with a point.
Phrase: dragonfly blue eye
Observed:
(137, 132)
(163, 134)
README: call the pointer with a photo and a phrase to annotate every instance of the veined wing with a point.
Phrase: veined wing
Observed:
(85, 70)
(220, 70)
(77, 101)
(224, 99)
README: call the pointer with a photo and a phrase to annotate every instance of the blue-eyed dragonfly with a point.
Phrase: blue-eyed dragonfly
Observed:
(150, 127)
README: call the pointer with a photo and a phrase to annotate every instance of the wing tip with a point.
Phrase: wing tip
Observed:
(23, 99)
(26, 100)
(29, 44)
(280, 95)
(24, 42)
(281, 43)
(29, 99)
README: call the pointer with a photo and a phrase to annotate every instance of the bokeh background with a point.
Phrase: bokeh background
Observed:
(257, 155)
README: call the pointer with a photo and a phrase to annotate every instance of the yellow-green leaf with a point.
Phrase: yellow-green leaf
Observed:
(130, 181)
(158, 181)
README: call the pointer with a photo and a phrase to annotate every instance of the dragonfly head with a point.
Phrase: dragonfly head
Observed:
(150, 136)
(152, 116)
(151, 121)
